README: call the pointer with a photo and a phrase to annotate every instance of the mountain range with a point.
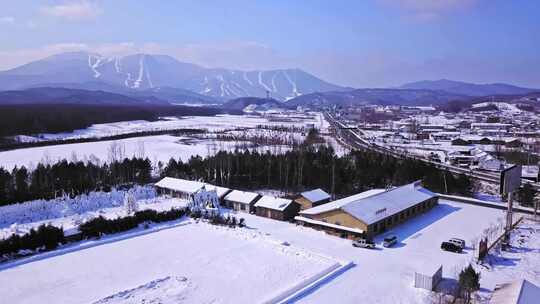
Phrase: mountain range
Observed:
(156, 73)
(468, 89)
(142, 78)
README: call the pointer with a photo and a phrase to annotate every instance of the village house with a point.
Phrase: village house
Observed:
(241, 201)
(183, 188)
(313, 198)
(276, 208)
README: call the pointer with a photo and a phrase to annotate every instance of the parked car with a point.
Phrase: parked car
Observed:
(451, 247)
(389, 241)
(363, 243)
(459, 242)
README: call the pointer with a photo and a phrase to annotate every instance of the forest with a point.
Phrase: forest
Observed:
(28, 119)
(308, 168)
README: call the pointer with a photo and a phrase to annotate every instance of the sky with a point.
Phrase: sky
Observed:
(357, 43)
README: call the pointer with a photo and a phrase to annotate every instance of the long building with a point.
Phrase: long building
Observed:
(369, 213)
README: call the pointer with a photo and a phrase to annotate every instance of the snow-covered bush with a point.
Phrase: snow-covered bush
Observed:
(130, 204)
(38, 210)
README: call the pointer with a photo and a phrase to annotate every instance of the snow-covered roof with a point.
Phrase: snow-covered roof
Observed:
(181, 185)
(384, 204)
(518, 292)
(341, 202)
(220, 191)
(243, 197)
(374, 205)
(316, 195)
(321, 223)
(272, 202)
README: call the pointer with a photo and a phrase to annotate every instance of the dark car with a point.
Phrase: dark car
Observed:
(451, 247)
(389, 241)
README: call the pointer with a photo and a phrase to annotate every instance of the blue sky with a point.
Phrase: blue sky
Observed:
(361, 43)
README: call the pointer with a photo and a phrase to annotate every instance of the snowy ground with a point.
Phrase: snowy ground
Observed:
(164, 147)
(211, 123)
(248, 265)
(156, 148)
(522, 261)
(192, 263)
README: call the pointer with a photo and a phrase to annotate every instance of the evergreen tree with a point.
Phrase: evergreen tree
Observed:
(469, 282)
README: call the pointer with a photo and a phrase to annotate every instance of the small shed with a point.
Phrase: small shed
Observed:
(313, 198)
(276, 208)
(428, 277)
(241, 200)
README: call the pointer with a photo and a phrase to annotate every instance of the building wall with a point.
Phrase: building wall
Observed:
(304, 203)
(269, 213)
(340, 217)
(289, 213)
(396, 219)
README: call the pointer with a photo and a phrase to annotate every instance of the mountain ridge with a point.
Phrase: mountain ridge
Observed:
(144, 71)
(467, 88)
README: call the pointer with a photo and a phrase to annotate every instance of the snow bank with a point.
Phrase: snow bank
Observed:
(39, 210)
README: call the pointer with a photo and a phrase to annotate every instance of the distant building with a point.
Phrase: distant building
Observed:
(313, 198)
(518, 292)
(183, 188)
(369, 213)
(241, 200)
(276, 208)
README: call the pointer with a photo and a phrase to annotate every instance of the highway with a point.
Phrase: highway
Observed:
(350, 138)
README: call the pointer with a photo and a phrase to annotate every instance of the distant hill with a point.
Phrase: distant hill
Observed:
(47, 95)
(171, 95)
(253, 103)
(143, 72)
(469, 89)
(376, 96)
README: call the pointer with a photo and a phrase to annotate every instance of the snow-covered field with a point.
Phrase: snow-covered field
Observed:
(199, 263)
(192, 263)
(156, 148)
(211, 123)
(164, 147)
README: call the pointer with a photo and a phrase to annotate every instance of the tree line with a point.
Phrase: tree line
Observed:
(70, 178)
(306, 167)
(309, 167)
(29, 119)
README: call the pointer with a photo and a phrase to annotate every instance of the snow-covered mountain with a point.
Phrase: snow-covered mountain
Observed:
(142, 72)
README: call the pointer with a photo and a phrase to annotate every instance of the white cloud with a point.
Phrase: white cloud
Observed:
(75, 10)
(7, 20)
(427, 10)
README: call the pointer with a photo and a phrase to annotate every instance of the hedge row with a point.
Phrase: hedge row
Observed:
(46, 237)
(100, 225)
